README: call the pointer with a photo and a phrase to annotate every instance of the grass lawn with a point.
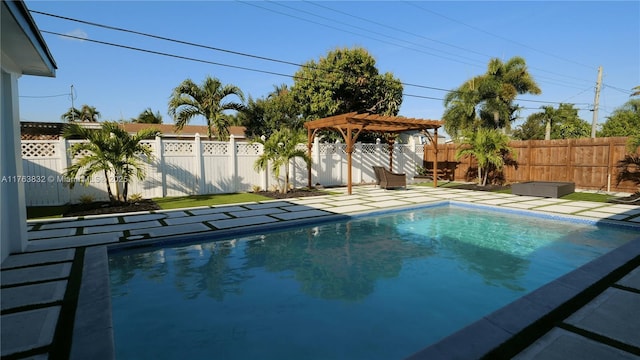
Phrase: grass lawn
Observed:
(207, 200)
(37, 212)
(441, 184)
(42, 212)
(581, 196)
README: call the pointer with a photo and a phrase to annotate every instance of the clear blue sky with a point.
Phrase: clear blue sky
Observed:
(434, 44)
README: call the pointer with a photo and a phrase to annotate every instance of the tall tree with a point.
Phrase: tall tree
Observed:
(635, 91)
(489, 147)
(111, 152)
(537, 126)
(279, 149)
(85, 114)
(148, 117)
(71, 115)
(553, 123)
(624, 121)
(89, 113)
(488, 100)
(345, 80)
(189, 100)
(264, 116)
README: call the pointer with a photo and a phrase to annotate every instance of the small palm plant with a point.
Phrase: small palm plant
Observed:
(490, 147)
(110, 152)
(279, 149)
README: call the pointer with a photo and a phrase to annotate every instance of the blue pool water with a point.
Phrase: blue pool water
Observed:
(380, 287)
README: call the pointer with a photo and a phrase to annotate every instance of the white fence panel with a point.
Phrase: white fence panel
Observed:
(330, 164)
(188, 167)
(369, 157)
(41, 161)
(247, 177)
(179, 168)
(216, 168)
(151, 186)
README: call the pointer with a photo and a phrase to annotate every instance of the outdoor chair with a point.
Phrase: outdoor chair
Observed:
(388, 180)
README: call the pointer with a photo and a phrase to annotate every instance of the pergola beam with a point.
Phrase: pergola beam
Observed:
(352, 122)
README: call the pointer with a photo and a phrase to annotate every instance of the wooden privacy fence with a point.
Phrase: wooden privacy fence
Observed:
(589, 163)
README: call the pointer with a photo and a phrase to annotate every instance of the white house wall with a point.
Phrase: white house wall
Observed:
(13, 217)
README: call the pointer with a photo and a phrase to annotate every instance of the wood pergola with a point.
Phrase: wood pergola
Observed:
(350, 125)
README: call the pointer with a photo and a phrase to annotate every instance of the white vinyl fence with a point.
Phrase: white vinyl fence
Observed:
(190, 167)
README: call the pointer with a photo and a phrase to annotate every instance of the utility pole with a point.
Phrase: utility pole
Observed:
(73, 117)
(596, 103)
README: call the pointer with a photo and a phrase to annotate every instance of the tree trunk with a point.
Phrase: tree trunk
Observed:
(109, 193)
(118, 184)
(125, 192)
(547, 130)
(286, 179)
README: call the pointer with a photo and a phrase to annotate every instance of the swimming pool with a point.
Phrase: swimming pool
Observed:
(379, 287)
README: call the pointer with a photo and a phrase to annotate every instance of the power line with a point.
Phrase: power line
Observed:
(189, 43)
(247, 68)
(561, 82)
(382, 34)
(397, 29)
(626, 92)
(222, 50)
(166, 38)
(166, 54)
(183, 42)
(42, 96)
(353, 33)
(580, 93)
(497, 36)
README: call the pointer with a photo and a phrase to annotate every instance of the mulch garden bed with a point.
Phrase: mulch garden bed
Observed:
(98, 208)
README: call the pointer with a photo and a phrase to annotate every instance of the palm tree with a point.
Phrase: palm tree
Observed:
(89, 113)
(189, 100)
(148, 117)
(72, 115)
(490, 147)
(499, 87)
(636, 91)
(487, 100)
(460, 108)
(110, 151)
(546, 115)
(279, 149)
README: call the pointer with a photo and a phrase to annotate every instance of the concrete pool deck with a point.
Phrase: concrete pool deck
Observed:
(41, 288)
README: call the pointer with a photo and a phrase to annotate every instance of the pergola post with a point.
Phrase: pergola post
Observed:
(309, 145)
(435, 155)
(349, 162)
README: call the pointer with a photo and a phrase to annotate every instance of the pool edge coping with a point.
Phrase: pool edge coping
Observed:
(494, 333)
(100, 335)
